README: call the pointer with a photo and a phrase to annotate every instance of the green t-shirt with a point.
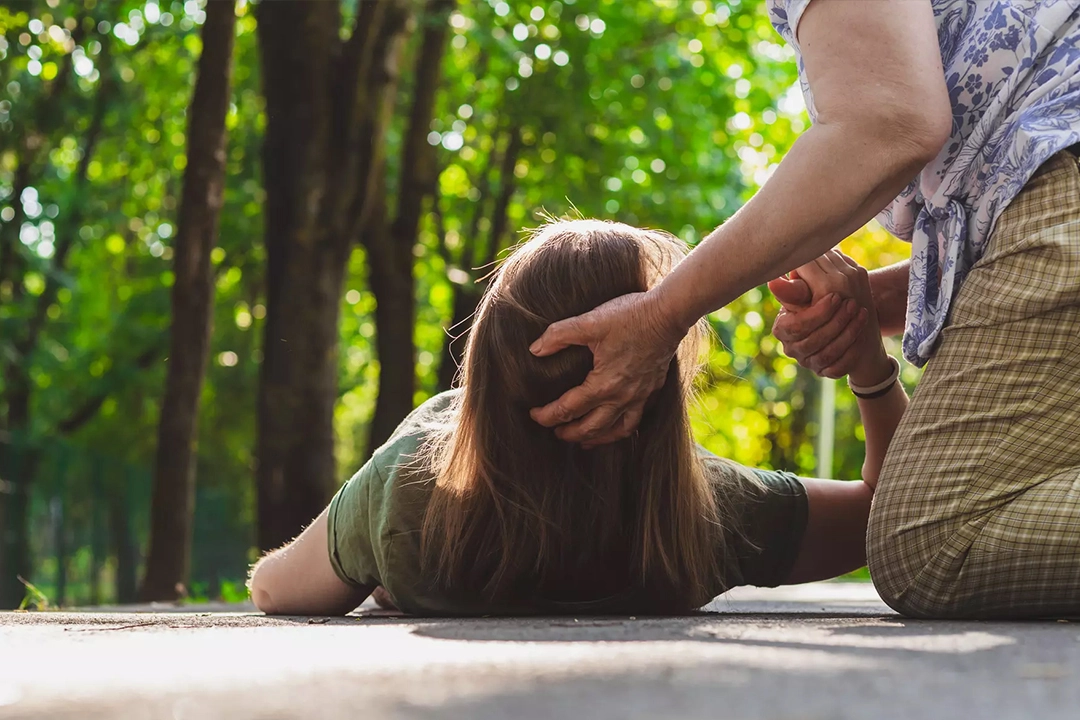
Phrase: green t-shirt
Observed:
(375, 522)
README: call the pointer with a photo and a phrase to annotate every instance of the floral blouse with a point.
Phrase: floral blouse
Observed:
(1013, 72)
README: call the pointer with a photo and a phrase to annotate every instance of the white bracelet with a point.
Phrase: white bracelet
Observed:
(881, 388)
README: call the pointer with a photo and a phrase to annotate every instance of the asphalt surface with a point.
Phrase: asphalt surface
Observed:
(828, 651)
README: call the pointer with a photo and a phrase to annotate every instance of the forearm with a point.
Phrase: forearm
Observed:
(889, 286)
(835, 178)
(298, 579)
(880, 417)
(834, 541)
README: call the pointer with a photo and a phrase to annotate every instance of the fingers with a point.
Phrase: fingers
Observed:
(573, 404)
(856, 278)
(561, 335)
(842, 264)
(603, 422)
(812, 344)
(847, 259)
(792, 293)
(576, 418)
(826, 264)
(835, 360)
(834, 348)
(793, 327)
(813, 273)
(832, 262)
(622, 428)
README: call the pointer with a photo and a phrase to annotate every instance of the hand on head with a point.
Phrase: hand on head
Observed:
(632, 348)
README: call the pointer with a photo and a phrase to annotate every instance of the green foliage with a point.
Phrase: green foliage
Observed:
(227, 591)
(111, 310)
(661, 113)
(34, 599)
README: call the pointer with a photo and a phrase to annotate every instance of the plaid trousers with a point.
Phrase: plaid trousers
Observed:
(977, 511)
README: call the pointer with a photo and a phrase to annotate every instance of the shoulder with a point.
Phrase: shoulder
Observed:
(375, 516)
(398, 465)
(763, 513)
(729, 480)
(403, 466)
(741, 490)
(433, 413)
(434, 416)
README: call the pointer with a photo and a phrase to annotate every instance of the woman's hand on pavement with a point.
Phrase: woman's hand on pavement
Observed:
(632, 341)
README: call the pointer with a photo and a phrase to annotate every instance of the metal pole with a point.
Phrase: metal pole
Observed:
(826, 428)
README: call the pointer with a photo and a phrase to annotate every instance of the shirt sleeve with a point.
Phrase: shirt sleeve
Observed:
(785, 16)
(771, 523)
(371, 507)
(355, 530)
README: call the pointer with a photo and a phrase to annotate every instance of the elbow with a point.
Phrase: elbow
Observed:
(907, 134)
(870, 474)
(931, 133)
(262, 600)
(916, 133)
(260, 594)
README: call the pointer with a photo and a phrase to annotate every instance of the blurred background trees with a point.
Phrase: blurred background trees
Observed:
(380, 156)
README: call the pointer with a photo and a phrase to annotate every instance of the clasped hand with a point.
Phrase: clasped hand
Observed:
(828, 322)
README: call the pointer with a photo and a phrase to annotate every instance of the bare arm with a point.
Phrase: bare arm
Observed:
(883, 113)
(878, 124)
(890, 287)
(298, 579)
(834, 541)
(835, 274)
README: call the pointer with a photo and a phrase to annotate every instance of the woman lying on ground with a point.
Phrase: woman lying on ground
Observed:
(471, 508)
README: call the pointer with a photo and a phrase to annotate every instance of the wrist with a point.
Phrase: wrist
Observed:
(889, 289)
(671, 312)
(873, 371)
(882, 386)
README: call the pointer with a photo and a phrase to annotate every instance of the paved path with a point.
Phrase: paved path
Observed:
(828, 651)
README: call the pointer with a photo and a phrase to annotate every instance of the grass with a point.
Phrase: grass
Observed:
(34, 598)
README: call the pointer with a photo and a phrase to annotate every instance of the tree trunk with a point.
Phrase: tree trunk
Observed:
(327, 106)
(391, 282)
(18, 347)
(14, 511)
(467, 297)
(169, 561)
(464, 292)
(59, 598)
(97, 542)
(15, 559)
(390, 252)
(122, 543)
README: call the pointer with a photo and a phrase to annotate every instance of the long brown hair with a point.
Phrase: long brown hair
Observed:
(517, 512)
